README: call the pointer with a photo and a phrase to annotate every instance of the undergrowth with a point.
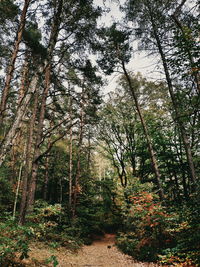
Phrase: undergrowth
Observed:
(152, 232)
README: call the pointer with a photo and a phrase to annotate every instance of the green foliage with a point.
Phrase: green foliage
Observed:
(53, 260)
(32, 37)
(44, 219)
(114, 48)
(152, 234)
(14, 241)
(6, 190)
(186, 231)
(89, 220)
(145, 228)
(95, 212)
(46, 223)
(117, 199)
(8, 10)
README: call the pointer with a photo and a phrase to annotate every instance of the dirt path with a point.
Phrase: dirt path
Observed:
(102, 253)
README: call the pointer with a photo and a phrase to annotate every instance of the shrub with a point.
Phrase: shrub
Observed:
(47, 225)
(186, 230)
(44, 219)
(145, 228)
(13, 241)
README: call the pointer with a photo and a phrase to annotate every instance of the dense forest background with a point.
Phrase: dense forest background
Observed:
(76, 161)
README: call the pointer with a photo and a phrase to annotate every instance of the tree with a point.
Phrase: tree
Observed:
(9, 75)
(148, 15)
(118, 44)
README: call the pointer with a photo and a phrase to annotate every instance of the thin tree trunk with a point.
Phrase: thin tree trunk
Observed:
(61, 191)
(70, 156)
(11, 67)
(175, 15)
(18, 184)
(18, 140)
(89, 152)
(175, 105)
(184, 180)
(78, 172)
(148, 139)
(172, 173)
(194, 72)
(46, 180)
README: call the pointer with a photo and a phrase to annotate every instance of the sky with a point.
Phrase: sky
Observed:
(147, 66)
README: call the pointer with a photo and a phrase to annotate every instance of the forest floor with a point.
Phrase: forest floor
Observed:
(102, 253)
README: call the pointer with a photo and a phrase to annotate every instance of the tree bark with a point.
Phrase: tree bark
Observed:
(148, 139)
(78, 171)
(24, 79)
(46, 180)
(70, 156)
(11, 67)
(47, 68)
(89, 152)
(28, 161)
(7, 142)
(18, 183)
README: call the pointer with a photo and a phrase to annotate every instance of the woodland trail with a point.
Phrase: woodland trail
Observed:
(102, 253)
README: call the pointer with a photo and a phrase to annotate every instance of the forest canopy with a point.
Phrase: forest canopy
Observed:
(78, 161)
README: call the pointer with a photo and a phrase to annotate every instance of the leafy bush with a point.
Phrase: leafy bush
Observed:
(52, 260)
(47, 225)
(186, 230)
(6, 191)
(44, 219)
(14, 240)
(145, 228)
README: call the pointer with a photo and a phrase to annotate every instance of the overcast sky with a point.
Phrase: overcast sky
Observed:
(140, 62)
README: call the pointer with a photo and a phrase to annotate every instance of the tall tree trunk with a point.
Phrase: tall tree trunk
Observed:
(147, 136)
(175, 105)
(61, 191)
(24, 78)
(89, 152)
(19, 182)
(194, 72)
(11, 66)
(47, 68)
(32, 184)
(18, 141)
(7, 142)
(46, 180)
(28, 160)
(78, 171)
(183, 172)
(70, 156)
